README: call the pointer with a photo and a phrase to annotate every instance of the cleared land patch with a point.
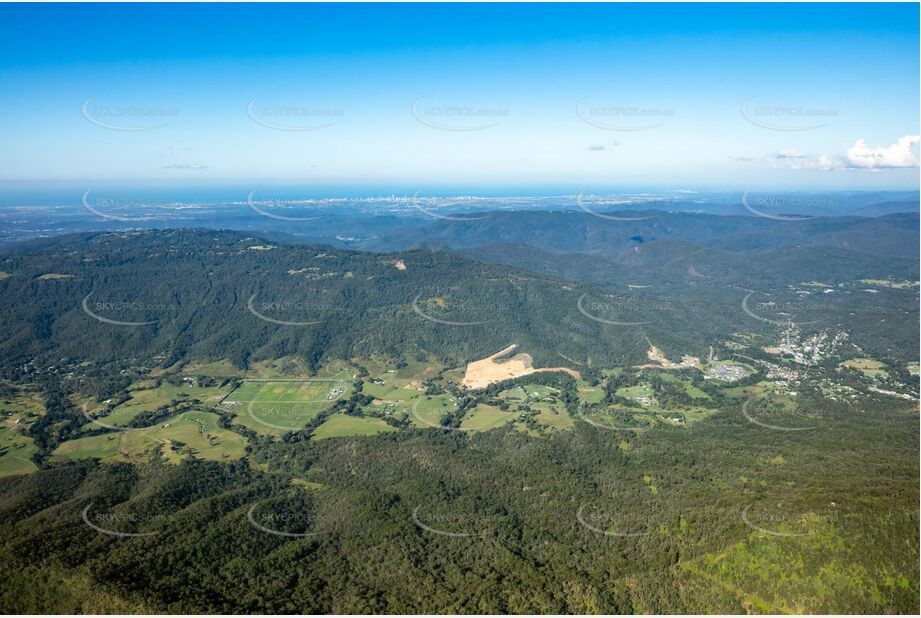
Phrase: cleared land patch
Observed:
(552, 417)
(189, 435)
(15, 452)
(342, 426)
(497, 368)
(17, 412)
(148, 399)
(590, 394)
(867, 366)
(428, 411)
(485, 417)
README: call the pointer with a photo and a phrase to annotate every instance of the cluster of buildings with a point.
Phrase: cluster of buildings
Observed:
(334, 392)
(726, 373)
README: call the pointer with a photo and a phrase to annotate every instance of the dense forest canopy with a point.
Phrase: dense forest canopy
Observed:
(201, 421)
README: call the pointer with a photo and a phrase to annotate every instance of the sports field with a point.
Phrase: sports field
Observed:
(279, 406)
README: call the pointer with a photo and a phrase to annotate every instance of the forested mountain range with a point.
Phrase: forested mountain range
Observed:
(201, 294)
(613, 233)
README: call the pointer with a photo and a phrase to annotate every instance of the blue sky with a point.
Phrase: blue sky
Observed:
(820, 96)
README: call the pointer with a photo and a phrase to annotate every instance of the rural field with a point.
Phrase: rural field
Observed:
(273, 406)
(190, 434)
(17, 410)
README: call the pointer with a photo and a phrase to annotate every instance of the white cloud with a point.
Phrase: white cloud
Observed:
(185, 166)
(793, 160)
(859, 157)
(900, 154)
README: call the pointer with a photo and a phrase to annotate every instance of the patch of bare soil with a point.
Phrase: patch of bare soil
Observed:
(498, 367)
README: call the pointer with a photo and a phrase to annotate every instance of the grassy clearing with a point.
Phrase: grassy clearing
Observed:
(760, 389)
(529, 392)
(218, 369)
(867, 366)
(278, 417)
(290, 367)
(24, 403)
(395, 409)
(403, 384)
(16, 449)
(590, 394)
(430, 410)
(641, 393)
(687, 385)
(389, 393)
(614, 418)
(342, 426)
(484, 417)
(553, 418)
(191, 434)
(455, 375)
(683, 417)
(418, 371)
(145, 398)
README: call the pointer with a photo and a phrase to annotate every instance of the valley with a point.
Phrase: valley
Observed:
(364, 393)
